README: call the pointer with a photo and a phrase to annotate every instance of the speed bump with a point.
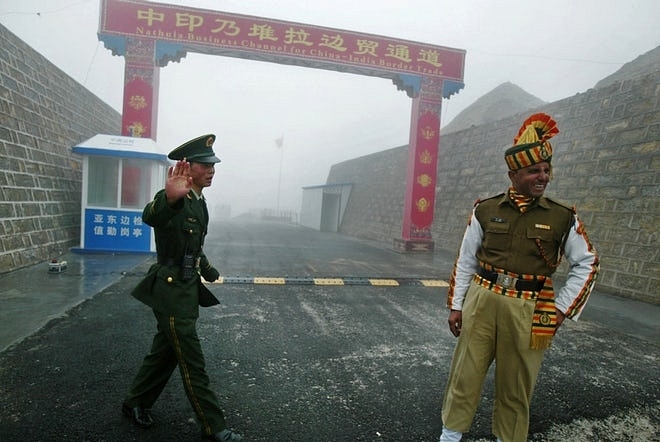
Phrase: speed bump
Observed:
(349, 280)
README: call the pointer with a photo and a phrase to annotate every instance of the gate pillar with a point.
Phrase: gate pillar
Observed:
(421, 175)
(141, 81)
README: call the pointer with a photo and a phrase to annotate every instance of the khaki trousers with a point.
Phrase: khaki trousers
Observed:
(495, 328)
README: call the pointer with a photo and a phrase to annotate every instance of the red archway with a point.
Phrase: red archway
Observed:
(150, 35)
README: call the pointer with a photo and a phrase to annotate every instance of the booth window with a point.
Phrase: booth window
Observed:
(135, 183)
(102, 177)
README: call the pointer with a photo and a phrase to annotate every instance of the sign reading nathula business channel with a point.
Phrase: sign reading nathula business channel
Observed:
(271, 40)
(150, 35)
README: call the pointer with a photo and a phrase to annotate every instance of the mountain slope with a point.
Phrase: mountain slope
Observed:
(505, 100)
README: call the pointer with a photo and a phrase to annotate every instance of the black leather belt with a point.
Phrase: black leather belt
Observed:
(510, 282)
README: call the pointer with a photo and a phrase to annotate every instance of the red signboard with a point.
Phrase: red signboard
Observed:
(275, 40)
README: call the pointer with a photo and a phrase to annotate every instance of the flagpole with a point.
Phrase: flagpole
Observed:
(279, 143)
(279, 182)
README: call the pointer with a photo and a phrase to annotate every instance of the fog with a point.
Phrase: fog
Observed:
(552, 49)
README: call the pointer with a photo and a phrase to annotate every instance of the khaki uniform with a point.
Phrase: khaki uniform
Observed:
(509, 241)
(497, 322)
(501, 283)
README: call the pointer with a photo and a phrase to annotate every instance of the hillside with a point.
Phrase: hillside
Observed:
(642, 65)
(508, 99)
(505, 100)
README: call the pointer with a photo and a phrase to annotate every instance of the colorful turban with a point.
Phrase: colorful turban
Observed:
(531, 145)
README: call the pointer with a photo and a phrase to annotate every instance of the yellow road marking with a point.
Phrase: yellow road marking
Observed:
(433, 283)
(388, 282)
(328, 281)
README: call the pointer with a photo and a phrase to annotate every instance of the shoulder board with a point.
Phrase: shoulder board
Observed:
(477, 202)
(562, 204)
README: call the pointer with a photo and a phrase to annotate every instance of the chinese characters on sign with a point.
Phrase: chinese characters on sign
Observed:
(428, 73)
(233, 32)
(116, 230)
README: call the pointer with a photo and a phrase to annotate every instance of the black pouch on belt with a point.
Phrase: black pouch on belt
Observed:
(187, 267)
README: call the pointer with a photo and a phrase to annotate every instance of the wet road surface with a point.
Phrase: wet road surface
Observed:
(300, 362)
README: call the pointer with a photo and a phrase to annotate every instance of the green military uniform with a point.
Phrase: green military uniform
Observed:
(175, 298)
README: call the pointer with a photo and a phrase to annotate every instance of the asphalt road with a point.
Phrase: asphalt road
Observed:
(299, 362)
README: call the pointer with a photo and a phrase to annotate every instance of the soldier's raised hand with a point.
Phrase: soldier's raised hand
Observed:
(178, 182)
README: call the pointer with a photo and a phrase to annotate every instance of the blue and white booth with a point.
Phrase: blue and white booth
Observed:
(120, 176)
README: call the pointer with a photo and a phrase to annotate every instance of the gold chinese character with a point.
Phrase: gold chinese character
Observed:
(430, 56)
(366, 47)
(150, 16)
(335, 42)
(228, 27)
(263, 32)
(297, 37)
(189, 20)
(401, 52)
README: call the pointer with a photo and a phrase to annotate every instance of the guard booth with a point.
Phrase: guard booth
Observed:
(120, 176)
(323, 206)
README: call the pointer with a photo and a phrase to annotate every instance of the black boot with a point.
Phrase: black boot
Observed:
(141, 416)
(225, 435)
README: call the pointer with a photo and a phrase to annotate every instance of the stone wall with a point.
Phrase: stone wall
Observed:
(606, 163)
(43, 113)
(375, 205)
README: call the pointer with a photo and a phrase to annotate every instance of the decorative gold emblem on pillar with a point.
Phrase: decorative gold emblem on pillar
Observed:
(425, 157)
(427, 132)
(137, 102)
(422, 204)
(136, 129)
(424, 180)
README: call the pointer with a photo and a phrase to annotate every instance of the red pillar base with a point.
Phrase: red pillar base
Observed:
(412, 245)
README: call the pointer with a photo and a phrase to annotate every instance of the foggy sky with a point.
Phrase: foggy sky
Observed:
(551, 49)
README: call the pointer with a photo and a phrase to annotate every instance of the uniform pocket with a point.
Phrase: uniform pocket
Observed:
(544, 243)
(192, 233)
(191, 226)
(542, 234)
(496, 235)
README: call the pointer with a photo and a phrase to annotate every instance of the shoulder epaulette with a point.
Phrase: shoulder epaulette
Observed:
(561, 203)
(479, 201)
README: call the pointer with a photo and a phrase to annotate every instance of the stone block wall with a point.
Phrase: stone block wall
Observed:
(375, 209)
(606, 163)
(43, 113)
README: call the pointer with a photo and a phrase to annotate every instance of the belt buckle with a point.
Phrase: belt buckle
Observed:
(506, 281)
